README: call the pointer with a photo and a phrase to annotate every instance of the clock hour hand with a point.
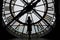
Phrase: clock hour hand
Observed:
(24, 1)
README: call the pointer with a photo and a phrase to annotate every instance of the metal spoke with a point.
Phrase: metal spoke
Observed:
(16, 11)
(34, 28)
(44, 4)
(23, 29)
(32, 18)
(43, 11)
(13, 23)
(40, 5)
(50, 14)
(6, 14)
(10, 23)
(13, 12)
(38, 28)
(26, 18)
(36, 14)
(39, 10)
(41, 26)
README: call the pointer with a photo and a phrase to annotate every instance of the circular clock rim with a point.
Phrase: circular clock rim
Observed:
(19, 36)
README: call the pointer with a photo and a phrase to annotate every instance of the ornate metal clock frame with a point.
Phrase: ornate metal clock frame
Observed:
(22, 17)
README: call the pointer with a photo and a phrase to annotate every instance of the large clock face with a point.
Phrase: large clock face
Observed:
(41, 12)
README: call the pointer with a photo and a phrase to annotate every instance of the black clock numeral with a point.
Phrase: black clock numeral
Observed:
(7, 14)
(50, 8)
(7, 8)
(47, 23)
(12, 24)
(23, 29)
(34, 28)
(48, 18)
(51, 14)
(37, 28)
(9, 18)
(50, 1)
(17, 27)
(41, 26)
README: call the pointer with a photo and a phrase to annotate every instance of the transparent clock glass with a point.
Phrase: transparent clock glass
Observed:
(16, 12)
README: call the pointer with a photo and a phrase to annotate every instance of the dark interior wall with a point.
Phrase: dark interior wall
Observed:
(3, 33)
(55, 34)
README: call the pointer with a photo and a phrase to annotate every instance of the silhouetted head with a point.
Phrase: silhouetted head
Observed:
(29, 18)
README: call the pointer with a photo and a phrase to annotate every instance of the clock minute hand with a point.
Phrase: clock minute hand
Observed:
(25, 10)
